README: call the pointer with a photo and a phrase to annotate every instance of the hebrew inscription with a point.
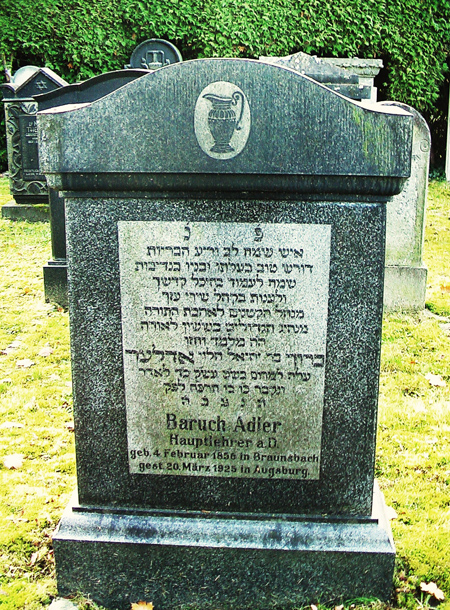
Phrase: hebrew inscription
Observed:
(224, 336)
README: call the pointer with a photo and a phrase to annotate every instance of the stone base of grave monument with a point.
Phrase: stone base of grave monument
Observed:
(55, 282)
(405, 288)
(23, 211)
(118, 557)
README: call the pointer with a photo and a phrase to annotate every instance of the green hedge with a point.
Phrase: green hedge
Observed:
(82, 38)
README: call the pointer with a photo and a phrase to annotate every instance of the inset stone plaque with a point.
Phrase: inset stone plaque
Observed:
(224, 335)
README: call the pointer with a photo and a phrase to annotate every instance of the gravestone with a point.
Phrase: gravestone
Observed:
(26, 181)
(405, 273)
(338, 79)
(367, 69)
(153, 54)
(55, 271)
(226, 235)
(405, 280)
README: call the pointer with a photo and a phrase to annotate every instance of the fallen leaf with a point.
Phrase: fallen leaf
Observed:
(445, 287)
(33, 558)
(16, 520)
(11, 424)
(25, 364)
(142, 606)
(433, 590)
(13, 462)
(11, 347)
(313, 607)
(46, 351)
(31, 404)
(435, 380)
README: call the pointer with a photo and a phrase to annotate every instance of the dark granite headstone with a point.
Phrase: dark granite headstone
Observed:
(55, 272)
(153, 54)
(27, 183)
(226, 231)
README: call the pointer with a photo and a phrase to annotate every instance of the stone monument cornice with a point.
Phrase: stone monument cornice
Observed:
(321, 134)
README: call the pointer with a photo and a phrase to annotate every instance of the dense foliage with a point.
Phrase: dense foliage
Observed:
(82, 38)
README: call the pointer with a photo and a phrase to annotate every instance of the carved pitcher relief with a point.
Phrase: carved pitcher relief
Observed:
(222, 120)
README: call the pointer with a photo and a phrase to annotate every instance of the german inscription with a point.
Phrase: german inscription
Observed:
(224, 335)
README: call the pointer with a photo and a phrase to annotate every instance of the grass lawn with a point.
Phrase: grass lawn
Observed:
(37, 463)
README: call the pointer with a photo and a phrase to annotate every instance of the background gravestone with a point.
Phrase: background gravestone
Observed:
(226, 264)
(153, 54)
(406, 275)
(367, 69)
(55, 272)
(26, 181)
(337, 79)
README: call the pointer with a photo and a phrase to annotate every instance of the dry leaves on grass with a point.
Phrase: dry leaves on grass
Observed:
(13, 462)
(432, 589)
(10, 424)
(435, 380)
(10, 348)
(25, 363)
(46, 351)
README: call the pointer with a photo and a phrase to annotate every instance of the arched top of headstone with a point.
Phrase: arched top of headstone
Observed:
(31, 80)
(153, 54)
(242, 124)
(88, 90)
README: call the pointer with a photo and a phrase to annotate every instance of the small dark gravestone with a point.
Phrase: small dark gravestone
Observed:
(153, 54)
(27, 183)
(226, 233)
(55, 272)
